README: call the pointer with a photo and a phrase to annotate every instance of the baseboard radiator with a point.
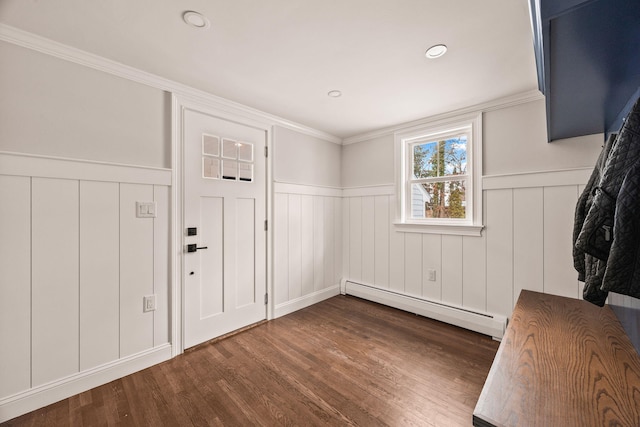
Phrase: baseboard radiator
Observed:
(489, 324)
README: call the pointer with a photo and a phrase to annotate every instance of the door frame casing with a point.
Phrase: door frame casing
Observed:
(179, 104)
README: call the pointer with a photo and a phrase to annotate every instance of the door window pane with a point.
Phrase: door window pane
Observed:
(245, 171)
(245, 152)
(226, 158)
(229, 149)
(210, 145)
(210, 167)
(229, 169)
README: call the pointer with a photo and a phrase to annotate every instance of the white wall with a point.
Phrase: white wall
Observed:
(528, 218)
(76, 264)
(307, 220)
(58, 108)
(369, 163)
(515, 141)
(304, 159)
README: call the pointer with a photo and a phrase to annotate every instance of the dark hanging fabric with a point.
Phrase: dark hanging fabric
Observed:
(587, 265)
(607, 222)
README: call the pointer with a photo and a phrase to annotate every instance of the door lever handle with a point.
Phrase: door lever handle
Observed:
(193, 247)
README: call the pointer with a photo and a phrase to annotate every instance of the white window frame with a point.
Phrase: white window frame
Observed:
(404, 139)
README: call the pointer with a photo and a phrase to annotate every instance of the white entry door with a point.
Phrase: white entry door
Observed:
(224, 205)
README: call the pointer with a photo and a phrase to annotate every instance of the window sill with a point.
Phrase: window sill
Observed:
(455, 230)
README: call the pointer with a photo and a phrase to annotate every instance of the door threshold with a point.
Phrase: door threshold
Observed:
(227, 335)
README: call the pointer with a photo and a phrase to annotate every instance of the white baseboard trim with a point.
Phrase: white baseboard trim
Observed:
(46, 394)
(484, 323)
(305, 301)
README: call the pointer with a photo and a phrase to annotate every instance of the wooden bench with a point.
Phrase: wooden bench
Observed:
(562, 362)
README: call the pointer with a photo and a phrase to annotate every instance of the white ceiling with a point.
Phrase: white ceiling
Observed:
(283, 56)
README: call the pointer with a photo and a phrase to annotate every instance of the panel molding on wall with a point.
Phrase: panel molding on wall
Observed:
(577, 176)
(526, 244)
(15, 292)
(63, 168)
(373, 190)
(307, 229)
(99, 273)
(54, 279)
(311, 190)
(83, 262)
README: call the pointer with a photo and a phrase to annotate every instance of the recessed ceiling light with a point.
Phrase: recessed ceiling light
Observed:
(196, 19)
(436, 51)
(334, 93)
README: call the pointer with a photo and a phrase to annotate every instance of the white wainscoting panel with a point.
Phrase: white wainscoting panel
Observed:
(559, 206)
(55, 282)
(528, 241)
(368, 238)
(76, 264)
(345, 237)
(526, 244)
(307, 246)
(338, 238)
(499, 229)
(474, 272)
(381, 241)
(396, 252)
(452, 269)
(15, 290)
(295, 246)
(161, 264)
(318, 243)
(432, 260)
(281, 248)
(355, 237)
(412, 265)
(136, 270)
(325, 259)
(306, 243)
(99, 273)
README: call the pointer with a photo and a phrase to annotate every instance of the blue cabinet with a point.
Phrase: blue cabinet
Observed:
(588, 60)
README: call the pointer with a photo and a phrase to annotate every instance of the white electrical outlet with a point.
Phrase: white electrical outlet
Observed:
(149, 303)
(432, 275)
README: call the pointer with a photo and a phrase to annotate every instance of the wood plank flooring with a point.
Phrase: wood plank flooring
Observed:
(344, 361)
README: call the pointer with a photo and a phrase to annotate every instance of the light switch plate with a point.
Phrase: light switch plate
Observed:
(146, 209)
(149, 303)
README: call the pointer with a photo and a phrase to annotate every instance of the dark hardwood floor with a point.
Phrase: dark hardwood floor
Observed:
(344, 361)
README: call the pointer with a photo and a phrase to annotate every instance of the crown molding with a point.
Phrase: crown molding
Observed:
(496, 104)
(47, 46)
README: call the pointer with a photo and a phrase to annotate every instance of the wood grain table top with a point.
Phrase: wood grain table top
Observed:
(562, 362)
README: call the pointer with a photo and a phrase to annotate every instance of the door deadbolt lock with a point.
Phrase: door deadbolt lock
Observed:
(193, 248)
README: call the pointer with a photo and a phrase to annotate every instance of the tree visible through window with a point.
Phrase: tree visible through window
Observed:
(439, 178)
